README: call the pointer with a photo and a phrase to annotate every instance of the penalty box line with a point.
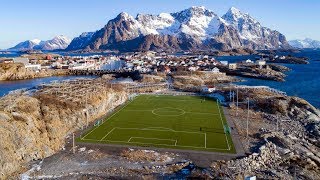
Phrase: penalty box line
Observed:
(168, 145)
(142, 129)
(150, 129)
(173, 140)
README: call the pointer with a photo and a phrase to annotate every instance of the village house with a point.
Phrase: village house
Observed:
(26, 63)
(261, 63)
(215, 70)
(249, 61)
(233, 66)
(208, 89)
(225, 63)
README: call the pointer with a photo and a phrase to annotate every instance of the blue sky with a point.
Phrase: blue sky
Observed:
(43, 19)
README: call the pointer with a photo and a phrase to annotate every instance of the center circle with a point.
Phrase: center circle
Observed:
(168, 111)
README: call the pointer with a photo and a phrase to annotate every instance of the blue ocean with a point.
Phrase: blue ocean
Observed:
(303, 80)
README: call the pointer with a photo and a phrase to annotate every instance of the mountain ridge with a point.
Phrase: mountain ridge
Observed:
(58, 42)
(305, 43)
(190, 29)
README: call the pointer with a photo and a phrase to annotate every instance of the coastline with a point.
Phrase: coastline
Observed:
(16, 71)
(52, 103)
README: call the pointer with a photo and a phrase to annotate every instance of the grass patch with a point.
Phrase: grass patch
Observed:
(178, 122)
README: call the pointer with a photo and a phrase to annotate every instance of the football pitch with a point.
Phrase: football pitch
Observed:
(165, 121)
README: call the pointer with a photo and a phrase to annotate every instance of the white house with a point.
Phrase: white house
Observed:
(208, 89)
(225, 63)
(233, 66)
(249, 61)
(215, 70)
(82, 66)
(261, 62)
(193, 68)
(34, 67)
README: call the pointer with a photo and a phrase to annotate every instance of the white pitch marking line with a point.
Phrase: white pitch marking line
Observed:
(205, 140)
(150, 138)
(107, 119)
(223, 126)
(107, 134)
(197, 147)
(202, 113)
(158, 128)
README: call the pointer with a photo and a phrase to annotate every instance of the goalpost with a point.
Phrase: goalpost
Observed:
(227, 129)
(132, 96)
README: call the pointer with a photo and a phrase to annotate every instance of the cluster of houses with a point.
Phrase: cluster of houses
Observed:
(94, 62)
(170, 64)
(145, 62)
(261, 63)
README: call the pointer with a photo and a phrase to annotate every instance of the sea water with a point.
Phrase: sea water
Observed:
(303, 80)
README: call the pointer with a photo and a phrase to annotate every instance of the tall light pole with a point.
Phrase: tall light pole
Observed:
(73, 144)
(248, 118)
(277, 123)
(233, 96)
(86, 109)
(237, 101)
(230, 92)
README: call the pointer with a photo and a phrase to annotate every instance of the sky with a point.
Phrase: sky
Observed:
(22, 20)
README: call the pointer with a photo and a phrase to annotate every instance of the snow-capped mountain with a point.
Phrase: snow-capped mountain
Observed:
(58, 42)
(81, 41)
(306, 43)
(192, 28)
(27, 45)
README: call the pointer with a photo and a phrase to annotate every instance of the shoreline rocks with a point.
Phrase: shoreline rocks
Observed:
(16, 71)
(290, 60)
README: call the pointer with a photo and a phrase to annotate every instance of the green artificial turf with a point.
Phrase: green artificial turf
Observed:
(179, 122)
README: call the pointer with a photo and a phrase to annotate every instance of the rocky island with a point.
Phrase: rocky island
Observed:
(289, 60)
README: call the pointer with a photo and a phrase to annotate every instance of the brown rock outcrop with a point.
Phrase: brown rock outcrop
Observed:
(36, 127)
(17, 71)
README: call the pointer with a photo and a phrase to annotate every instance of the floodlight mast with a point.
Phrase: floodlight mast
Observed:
(237, 101)
(248, 118)
(87, 109)
(73, 144)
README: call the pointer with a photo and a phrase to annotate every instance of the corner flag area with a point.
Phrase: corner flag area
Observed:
(165, 121)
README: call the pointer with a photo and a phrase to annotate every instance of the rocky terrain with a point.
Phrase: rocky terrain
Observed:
(280, 145)
(17, 71)
(195, 28)
(279, 68)
(160, 77)
(193, 81)
(272, 72)
(101, 163)
(35, 126)
(290, 60)
(283, 139)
